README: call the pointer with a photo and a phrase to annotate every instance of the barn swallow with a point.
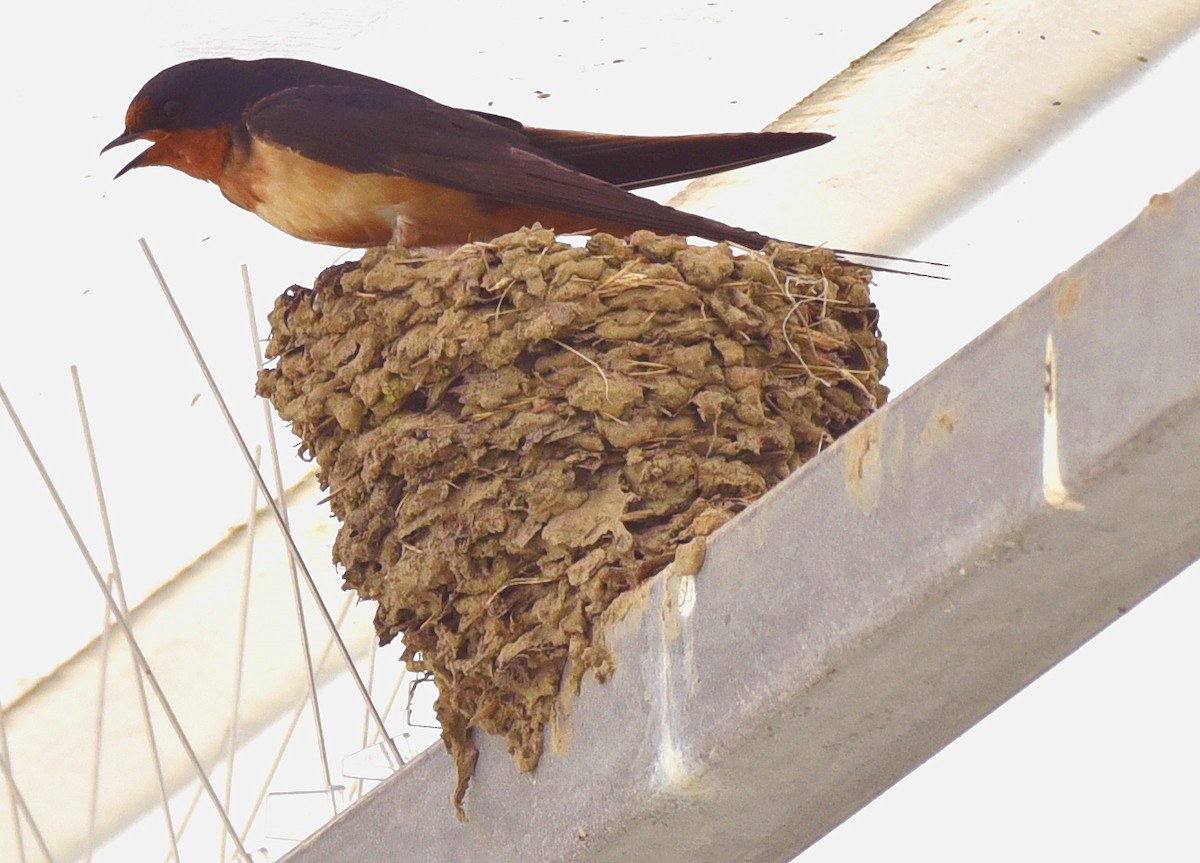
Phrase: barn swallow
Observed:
(336, 157)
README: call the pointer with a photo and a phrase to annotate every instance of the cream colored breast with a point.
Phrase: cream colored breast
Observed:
(314, 201)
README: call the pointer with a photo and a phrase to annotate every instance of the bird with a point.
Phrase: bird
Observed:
(336, 157)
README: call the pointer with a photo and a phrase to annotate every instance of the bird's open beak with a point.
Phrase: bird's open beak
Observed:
(123, 138)
(126, 138)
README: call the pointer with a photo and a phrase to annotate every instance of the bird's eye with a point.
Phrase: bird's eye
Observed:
(171, 110)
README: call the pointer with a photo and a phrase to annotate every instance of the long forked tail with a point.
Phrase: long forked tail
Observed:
(718, 231)
(881, 257)
(634, 161)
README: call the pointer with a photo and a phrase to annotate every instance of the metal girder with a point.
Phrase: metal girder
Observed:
(878, 603)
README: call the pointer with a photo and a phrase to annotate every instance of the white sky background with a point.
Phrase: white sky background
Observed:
(1095, 760)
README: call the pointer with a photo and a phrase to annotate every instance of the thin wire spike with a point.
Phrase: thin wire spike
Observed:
(117, 584)
(187, 818)
(240, 650)
(23, 809)
(20, 807)
(291, 729)
(387, 712)
(98, 737)
(275, 508)
(121, 619)
(356, 787)
(306, 647)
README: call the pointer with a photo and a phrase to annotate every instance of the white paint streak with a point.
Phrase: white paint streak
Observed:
(1053, 489)
(687, 595)
(679, 600)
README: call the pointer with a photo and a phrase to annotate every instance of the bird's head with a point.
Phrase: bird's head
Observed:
(188, 109)
(196, 98)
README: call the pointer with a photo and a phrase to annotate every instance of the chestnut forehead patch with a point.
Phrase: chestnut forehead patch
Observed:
(136, 112)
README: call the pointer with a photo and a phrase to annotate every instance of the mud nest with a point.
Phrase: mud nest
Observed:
(516, 434)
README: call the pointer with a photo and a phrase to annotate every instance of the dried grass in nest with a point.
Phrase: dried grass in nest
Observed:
(514, 435)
